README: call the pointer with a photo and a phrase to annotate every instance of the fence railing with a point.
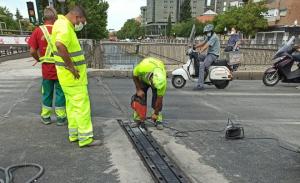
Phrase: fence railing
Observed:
(110, 54)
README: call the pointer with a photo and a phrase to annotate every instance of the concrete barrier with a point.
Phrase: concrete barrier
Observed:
(14, 56)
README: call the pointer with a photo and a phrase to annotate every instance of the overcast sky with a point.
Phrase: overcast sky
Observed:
(119, 10)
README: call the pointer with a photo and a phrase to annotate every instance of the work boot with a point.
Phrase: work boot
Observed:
(94, 143)
(135, 124)
(46, 121)
(61, 121)
(159, 125)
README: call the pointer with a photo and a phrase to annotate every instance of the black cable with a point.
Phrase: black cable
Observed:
(275, 139)
(185, 133)
(8, 172)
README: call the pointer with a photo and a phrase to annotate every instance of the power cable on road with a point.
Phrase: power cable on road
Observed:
(185, 133)
(8, 172)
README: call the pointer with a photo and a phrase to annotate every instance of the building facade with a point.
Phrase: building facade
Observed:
(220, 6)
(155, 14)
(283, 12)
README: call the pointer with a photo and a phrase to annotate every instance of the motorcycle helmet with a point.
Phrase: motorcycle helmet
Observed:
(208, 28)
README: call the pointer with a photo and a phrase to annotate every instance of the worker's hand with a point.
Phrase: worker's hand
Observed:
(140, 93)
(154, 117)
(74, 71)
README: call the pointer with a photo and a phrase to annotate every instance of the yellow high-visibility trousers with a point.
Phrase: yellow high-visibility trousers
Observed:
(79, 114)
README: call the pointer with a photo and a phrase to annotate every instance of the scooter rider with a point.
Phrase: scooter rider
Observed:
(150, 73)
(212, 45)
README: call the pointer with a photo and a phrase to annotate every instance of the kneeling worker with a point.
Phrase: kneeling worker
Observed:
(150, 73)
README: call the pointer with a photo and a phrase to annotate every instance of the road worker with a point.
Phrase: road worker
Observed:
(72, 74)
(38, 43)
(150, 73)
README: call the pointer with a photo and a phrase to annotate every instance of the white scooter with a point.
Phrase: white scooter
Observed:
(219, 73)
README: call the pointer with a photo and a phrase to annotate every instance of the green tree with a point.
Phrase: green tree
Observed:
(169, 26)
(18, 15)
(248, 19)
(131, 29)
(7, 17)
(96, 17)
(186, 12)
(183, 29)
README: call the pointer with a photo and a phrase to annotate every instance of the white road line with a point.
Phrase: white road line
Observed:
(205, 93)
(19, 90)
(12, 85)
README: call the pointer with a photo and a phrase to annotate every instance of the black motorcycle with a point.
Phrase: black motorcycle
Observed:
(284, 60)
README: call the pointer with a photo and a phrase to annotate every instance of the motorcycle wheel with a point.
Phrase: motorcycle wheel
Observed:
(221, 84)
(178, 81)
(271, 78)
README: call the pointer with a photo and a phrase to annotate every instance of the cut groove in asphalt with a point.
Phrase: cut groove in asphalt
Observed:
(157, 161)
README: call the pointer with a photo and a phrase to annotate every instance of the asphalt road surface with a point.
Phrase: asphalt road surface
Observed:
(264, 112)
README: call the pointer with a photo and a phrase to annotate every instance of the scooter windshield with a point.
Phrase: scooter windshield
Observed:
(286, 48)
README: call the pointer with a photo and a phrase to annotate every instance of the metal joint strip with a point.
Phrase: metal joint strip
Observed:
(163, 169)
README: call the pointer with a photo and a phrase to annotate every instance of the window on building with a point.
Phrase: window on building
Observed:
(283, 12)
(208, 2)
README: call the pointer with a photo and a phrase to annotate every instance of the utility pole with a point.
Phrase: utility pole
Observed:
(21, 31)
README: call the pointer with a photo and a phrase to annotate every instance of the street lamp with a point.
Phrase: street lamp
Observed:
(3, 16)
(1, 26)
(21, 31)
(62, 8)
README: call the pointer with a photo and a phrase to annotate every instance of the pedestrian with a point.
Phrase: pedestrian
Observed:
(150, 73)
(72, 74)
(233, 41)
(38, 43)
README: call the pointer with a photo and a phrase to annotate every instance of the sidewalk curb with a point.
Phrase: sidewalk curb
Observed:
(108, 73)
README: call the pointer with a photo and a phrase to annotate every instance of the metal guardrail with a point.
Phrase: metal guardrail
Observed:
(124, 55)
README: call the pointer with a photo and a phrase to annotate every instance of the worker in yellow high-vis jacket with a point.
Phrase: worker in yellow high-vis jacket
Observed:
(72, 74)
(150, 73)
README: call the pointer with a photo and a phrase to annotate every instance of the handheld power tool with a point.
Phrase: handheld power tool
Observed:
(139, 105)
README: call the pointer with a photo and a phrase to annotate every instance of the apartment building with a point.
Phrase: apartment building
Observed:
(155, 14)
